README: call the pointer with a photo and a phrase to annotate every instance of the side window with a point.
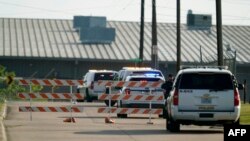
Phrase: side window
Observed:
(121, 75)
(85, 79)
(116, 77)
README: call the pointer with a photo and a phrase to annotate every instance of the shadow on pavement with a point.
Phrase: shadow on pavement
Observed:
(148, 132)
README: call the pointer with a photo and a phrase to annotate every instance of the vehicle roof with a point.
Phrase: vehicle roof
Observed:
(215, 70)
(143, 76)
(137, 68)
(100, 71)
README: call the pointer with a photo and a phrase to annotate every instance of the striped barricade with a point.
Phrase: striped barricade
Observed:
(129, 110)
(131, 97)
(50, 82)
(50, 109)
(140, 97)
(129, 84)
(51, 95)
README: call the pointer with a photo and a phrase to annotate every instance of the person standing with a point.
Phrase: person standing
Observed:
(167, 86)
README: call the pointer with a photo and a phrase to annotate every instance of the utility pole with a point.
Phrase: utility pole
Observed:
(219, 33)
(154, 53)
(141, 34)
(178, 34)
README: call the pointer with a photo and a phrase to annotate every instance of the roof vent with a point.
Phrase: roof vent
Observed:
(199, 21)
(93, 30)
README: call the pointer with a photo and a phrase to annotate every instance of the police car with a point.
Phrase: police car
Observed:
(151, 77)
(203, 96)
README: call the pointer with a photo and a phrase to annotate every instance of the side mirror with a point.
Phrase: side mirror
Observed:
(240, 86)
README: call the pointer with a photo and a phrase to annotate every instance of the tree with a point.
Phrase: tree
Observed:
(8, 86)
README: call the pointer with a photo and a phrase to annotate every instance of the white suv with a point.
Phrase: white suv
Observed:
(141, 91)
(203, 96)
(89, 88)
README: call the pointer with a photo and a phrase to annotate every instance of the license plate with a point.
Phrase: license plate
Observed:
(206, 107)
(206, 100)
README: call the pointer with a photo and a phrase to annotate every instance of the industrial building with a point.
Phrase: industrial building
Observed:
(67, 49)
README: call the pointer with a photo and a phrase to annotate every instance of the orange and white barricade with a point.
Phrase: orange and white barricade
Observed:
(129, 110)
(50, 82)
(129, 83)
(51, 95)
(140, 97)
(49, 109)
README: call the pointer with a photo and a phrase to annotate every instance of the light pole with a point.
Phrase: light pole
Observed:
(178, 35)
(219, 32)
(141, 34)
(154, 54)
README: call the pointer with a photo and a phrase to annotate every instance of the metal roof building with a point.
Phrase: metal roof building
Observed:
(50, 42)
(57, 39)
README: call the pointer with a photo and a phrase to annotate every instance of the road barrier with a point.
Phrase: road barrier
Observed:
(50, 82)
(129, 110)
(54, 82)
(131, 97)
(137, 97)
(50, 109)
(51, 95)
(129, 84)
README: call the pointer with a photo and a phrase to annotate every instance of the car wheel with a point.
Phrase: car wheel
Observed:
(122, 115)
(172, 125)
(237, 122)
(113, 102)
(80, 100)
(164, 113)
(88, 97)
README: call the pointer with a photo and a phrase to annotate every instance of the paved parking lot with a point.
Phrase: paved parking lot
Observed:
(90, 125)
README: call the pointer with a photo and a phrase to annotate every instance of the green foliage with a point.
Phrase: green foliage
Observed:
(36, 88)
(10, 90)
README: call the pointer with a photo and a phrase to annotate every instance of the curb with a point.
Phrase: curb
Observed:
(3, 116)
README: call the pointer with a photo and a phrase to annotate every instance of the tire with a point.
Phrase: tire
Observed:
(160, 116)
(172, 125)
(236, 122)
(164, 113)
(122, 115)
(80, 100)
(113, 102)
(88, 97)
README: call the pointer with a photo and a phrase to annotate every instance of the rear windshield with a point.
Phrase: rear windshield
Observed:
(147, 73)
(206, 81)
(145, 79)
(104, 76)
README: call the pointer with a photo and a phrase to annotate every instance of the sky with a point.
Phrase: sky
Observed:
(234, 12)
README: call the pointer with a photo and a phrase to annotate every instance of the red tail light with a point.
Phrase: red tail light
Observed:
(176, 97)
(236, 97)
(92, 85)
(127, 91)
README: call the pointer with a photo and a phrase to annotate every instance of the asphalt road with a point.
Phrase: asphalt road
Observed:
(90, 126)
